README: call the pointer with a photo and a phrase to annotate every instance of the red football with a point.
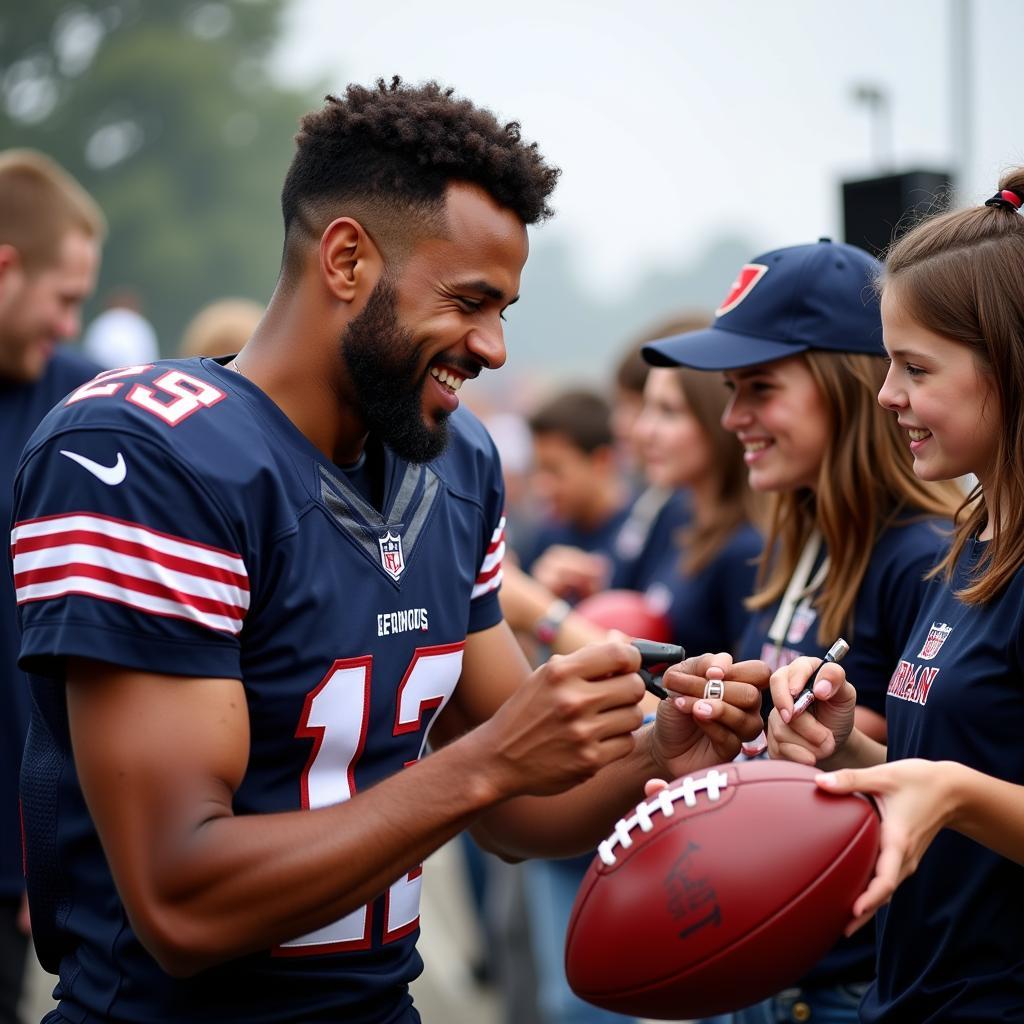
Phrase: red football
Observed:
(628, 611)
(719, 891)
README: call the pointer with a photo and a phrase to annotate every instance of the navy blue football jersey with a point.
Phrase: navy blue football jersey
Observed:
(170, 518)
(884, 610)
(951, 942)
(22, 406)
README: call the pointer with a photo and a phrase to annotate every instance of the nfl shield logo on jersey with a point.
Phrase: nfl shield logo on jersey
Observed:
(934, 641)
(391, 554)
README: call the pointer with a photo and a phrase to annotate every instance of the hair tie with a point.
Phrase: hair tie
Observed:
(1005, 198)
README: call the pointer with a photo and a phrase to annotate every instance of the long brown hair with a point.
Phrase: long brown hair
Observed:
(865, 482)
(707, 396)
(961, 275)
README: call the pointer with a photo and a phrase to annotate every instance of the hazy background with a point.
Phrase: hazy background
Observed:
(692, 135)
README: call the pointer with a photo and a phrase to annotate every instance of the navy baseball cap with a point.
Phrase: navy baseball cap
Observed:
(819, 296)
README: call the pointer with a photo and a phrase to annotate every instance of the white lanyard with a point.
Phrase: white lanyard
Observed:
(799, 590)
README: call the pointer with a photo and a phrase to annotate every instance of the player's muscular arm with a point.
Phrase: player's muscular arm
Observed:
(159, 758)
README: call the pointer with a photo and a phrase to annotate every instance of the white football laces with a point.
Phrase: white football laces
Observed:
(713, 783)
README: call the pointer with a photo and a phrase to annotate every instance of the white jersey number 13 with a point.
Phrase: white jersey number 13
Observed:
(336, 717)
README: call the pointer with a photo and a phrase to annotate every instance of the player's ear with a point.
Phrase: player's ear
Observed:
(350, 262)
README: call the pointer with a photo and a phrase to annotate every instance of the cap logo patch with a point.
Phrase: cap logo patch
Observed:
(742, 286)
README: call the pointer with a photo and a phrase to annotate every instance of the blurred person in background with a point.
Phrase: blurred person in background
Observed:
(121, 335)
(628, 380)
(627, 397)
(658, 511)
(577, 480)
(851, 531)
(50, 236)
(704, 571)
(655, 513)
(220, 328)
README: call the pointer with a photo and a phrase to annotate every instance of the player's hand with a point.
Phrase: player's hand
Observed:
(574, 715)
(824, 727)
(693, 731)
(570, 572)
(914, 799)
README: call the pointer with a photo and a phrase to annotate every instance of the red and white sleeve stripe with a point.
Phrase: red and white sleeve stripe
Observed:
(489, 577)
(114, 560)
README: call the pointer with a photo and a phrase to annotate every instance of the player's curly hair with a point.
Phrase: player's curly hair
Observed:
(387, 154)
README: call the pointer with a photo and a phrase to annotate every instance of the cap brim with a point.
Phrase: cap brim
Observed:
(717, 349)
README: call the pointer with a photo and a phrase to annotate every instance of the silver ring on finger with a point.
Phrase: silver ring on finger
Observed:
(714, 689)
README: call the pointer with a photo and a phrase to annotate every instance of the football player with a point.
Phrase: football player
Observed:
(249, 588)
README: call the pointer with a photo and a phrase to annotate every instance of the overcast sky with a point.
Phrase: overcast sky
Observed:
(676, 122)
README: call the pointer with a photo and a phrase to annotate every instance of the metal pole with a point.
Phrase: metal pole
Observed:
(961, 101)
(876, 100)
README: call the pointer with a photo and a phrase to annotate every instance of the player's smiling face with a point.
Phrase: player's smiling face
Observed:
(453, 292)
(945, 401)
(778, 413)
(420, 338)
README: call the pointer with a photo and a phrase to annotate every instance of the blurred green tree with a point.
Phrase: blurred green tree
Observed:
(169, 115)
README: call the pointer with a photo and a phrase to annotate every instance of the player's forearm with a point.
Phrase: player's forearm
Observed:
(241, 884)
(573, 822)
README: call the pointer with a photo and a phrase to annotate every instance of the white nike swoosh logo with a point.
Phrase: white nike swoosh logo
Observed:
(110, 475)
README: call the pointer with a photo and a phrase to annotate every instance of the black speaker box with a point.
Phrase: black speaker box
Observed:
(876, 211)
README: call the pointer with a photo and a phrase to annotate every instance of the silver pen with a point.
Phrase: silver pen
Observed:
(805, 698)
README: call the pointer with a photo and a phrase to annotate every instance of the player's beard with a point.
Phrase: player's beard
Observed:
(383, 365)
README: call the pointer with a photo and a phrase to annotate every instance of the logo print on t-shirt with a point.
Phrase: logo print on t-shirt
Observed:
(742, 286)
(391, 556)
(803, 619)
(933, 642)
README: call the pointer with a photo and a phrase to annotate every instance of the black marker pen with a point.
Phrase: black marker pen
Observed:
(805, 698)
(653, 654)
